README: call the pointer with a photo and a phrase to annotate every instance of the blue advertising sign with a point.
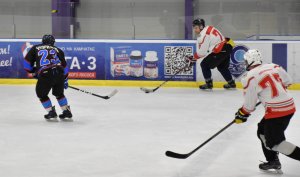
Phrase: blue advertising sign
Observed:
(107, 60)
(11, 60)
(6, 60)
(85, 60)
(237, 64)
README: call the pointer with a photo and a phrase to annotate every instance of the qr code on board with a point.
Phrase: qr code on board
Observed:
(175, 59)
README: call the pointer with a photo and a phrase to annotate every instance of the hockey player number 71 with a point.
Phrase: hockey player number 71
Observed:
(216, 33)
(268, 81)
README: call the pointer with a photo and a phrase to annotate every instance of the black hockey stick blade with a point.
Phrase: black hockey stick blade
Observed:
(176, 155)
(100, 96)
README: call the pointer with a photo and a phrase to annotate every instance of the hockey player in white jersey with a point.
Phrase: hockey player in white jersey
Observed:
(268, 83)
(214, 50)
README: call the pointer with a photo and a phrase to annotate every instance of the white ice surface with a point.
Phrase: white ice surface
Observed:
(128, 135)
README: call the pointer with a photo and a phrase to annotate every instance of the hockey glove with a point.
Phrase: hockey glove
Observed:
(66, 84)
(35, 75)
(240, 116)
(190, 60)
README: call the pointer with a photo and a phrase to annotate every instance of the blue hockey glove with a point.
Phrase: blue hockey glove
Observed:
(66, 84)
(240, 116)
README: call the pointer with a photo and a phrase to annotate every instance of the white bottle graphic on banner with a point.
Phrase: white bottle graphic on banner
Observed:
(151, 65)
(136, 63)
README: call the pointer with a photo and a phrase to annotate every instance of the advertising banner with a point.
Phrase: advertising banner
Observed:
(147, 60)
(144, 61)
(85, 60)
(11, 59)
(237, 65)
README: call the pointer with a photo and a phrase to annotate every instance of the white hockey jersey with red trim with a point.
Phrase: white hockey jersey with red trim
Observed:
(210, 40)
(268, 83)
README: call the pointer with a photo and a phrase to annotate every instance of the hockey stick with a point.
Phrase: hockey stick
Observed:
(184, 156)
(146, 90)
(104, 97)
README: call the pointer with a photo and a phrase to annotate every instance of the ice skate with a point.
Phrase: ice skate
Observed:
(66, 115)
(271, 167)
(207, 86)
(51, 116)
(230, 85)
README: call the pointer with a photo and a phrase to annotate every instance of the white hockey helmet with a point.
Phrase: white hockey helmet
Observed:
(253, 57)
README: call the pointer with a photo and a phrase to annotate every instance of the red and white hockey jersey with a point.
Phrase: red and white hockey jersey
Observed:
(210, 40)
(268, 83)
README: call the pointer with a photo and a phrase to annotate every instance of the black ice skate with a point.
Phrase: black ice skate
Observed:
(230, 85)
(66, 114)
(271, 167)
(51, 114)
(207, 86)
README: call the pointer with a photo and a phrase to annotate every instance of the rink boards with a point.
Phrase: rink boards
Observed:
(136, 62)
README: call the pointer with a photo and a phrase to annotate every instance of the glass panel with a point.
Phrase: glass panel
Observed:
(21, 19)
(253, 19)
(7, 19)
(153, 19)
(127, 19)
(159, 20)
(104, 19)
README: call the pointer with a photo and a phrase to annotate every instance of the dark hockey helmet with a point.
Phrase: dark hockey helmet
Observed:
(199, 22)
(48, 39)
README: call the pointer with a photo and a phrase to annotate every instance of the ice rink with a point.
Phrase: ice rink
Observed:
(127, 135)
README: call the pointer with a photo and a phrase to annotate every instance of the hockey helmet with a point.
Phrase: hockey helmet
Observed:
(48, 39)
(199, 22)
(253, 57)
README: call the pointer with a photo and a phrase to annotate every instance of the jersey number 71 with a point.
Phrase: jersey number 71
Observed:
(269, 81)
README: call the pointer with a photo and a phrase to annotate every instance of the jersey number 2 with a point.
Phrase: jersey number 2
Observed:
(268, 81)
(44, 53)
